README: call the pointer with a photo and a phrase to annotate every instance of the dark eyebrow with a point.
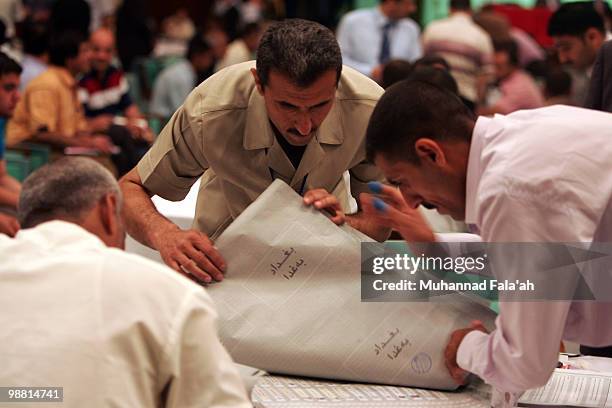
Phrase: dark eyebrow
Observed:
(318, 105)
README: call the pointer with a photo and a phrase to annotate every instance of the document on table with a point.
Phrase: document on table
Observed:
(572, 388)
(288, 392)
(291, 303)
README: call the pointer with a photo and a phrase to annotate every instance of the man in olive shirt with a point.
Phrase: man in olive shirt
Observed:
(296, 114)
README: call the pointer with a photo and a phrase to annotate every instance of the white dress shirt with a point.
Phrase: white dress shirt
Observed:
(541, 175)
(111, 328)
(360, 35)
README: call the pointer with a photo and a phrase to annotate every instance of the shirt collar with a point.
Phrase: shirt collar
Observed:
(474, 168)
(380, 18)
(58, 234)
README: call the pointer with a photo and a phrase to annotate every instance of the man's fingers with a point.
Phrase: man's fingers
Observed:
(327, 202)
(314, 195)
(339, 218)
(203, 262)
(188, 265)
(204, 244)
(389, 194)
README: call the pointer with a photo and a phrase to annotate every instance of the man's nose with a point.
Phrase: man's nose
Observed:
(304, 124)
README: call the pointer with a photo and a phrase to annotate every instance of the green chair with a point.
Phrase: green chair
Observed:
(37, 154)
(17, 165)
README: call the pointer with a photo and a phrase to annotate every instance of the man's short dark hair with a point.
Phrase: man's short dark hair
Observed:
(65, 45)
(460, 5)
(509, 47)
(197, 45)
(8, 65)
(558, 83)
(395, 71)
(250, 29)
(410, 110)
(431, 61)
(435, 76)
(299, 49)
(35, 38)
(575, 19)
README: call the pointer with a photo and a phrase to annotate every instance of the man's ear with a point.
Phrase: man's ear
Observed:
(429, 151)
(594, 37)
(257, 81)
(109, 214)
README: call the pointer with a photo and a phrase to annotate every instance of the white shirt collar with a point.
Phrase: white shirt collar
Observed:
(474, 170)
(58, 234)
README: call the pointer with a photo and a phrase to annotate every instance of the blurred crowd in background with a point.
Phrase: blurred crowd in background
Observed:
(103, 76)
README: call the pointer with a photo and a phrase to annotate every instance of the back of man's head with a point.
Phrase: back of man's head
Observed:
(35, 38)
(8, 65)
(64, 46)
(460, 5)
(558, 83)
(575, 19)
(300, 50)
(510, 48)
(435, 76)
(395, 71)
(67, 189)
(197, 45)
(410, 110)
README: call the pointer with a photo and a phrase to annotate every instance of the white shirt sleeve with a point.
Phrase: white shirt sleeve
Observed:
(201, 372)
(523, 349)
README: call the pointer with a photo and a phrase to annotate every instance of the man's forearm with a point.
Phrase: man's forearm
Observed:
(143, 222)
(8, 198)
(366, 225)
(56, 139)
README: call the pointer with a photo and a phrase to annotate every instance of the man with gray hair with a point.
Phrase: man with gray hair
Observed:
(296, 114)
(111, 328)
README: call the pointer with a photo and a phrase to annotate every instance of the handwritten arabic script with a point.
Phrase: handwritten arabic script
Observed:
(286, 267)
(395, 349)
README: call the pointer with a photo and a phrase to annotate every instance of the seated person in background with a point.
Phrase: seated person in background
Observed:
(518, 90)
(105, 93)
(174, 83)
(9, 187)
(369, 38)
(118, 329)
(243, 48)
(558, 87)
(35, 43)
(578, 32)
(49, 111)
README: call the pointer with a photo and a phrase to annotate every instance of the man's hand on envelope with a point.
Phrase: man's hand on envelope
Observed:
(450, 354)
(322, 200)
(193, 254)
